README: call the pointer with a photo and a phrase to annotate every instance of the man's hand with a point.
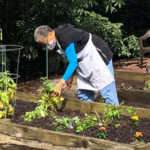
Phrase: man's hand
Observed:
(69, 82)
(59, 86)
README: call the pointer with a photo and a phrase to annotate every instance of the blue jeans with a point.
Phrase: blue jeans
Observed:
(109, 92)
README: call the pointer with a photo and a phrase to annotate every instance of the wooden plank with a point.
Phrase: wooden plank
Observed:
(139, 77)
(84, 107)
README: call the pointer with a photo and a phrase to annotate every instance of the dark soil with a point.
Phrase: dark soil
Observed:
(121, 134)
(129, 84)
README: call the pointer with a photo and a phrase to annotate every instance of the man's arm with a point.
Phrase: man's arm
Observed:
(73, 63)
(72, 59)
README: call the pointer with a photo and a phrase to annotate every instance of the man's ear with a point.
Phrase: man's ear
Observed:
(51, 33)
(42, 40)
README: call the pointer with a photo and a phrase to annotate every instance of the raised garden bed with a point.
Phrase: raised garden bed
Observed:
(120, 134)
(129, 87)
(114, 134)
(80, 124)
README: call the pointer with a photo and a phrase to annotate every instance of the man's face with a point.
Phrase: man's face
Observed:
(51, 36)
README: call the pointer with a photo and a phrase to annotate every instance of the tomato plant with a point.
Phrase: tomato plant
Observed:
(47, 103)
(7, 91)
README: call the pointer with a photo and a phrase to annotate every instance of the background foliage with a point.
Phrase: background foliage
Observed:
(118, 22)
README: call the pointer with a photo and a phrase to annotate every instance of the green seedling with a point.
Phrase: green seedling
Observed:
(147, 85)
(47, 104)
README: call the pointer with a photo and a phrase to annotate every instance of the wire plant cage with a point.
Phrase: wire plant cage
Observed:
(10, 58)
(9, 62)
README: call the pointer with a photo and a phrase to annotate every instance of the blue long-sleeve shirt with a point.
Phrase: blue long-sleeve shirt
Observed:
(72, 59)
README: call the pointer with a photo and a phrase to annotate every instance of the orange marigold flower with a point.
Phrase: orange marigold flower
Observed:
(116, 107)
(139, 134)
(102, 128)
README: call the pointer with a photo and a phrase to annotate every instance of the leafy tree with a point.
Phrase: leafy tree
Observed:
(19, 19)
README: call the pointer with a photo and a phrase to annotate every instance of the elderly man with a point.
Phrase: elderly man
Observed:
(88, 55)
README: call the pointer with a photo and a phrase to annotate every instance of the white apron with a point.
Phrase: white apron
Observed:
(93, 73)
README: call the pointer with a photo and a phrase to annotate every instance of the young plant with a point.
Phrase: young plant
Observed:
(38, 112)
(63, 122)
(130, 110)
(139, 136)
(102, 100)
(59, 127)
(111, 113)
(117, 125)
(48, 90)
(7, 91)
(147, 85)
(102, 133)
(123, 86)
(89, 121)
(81, 125)
(134, 121)
(47, 104)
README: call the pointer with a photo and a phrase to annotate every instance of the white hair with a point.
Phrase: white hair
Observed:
(41, 31)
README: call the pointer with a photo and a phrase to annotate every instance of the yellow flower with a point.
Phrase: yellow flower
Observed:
(1, 114)
(12, 95)
(139, 134)
(135, 118)
(61, 98)
(55, 99)
(1, 105)
(11, 111)
(102, 128)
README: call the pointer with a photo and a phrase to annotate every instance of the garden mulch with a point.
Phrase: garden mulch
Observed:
(131, 65)
(122, 134)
